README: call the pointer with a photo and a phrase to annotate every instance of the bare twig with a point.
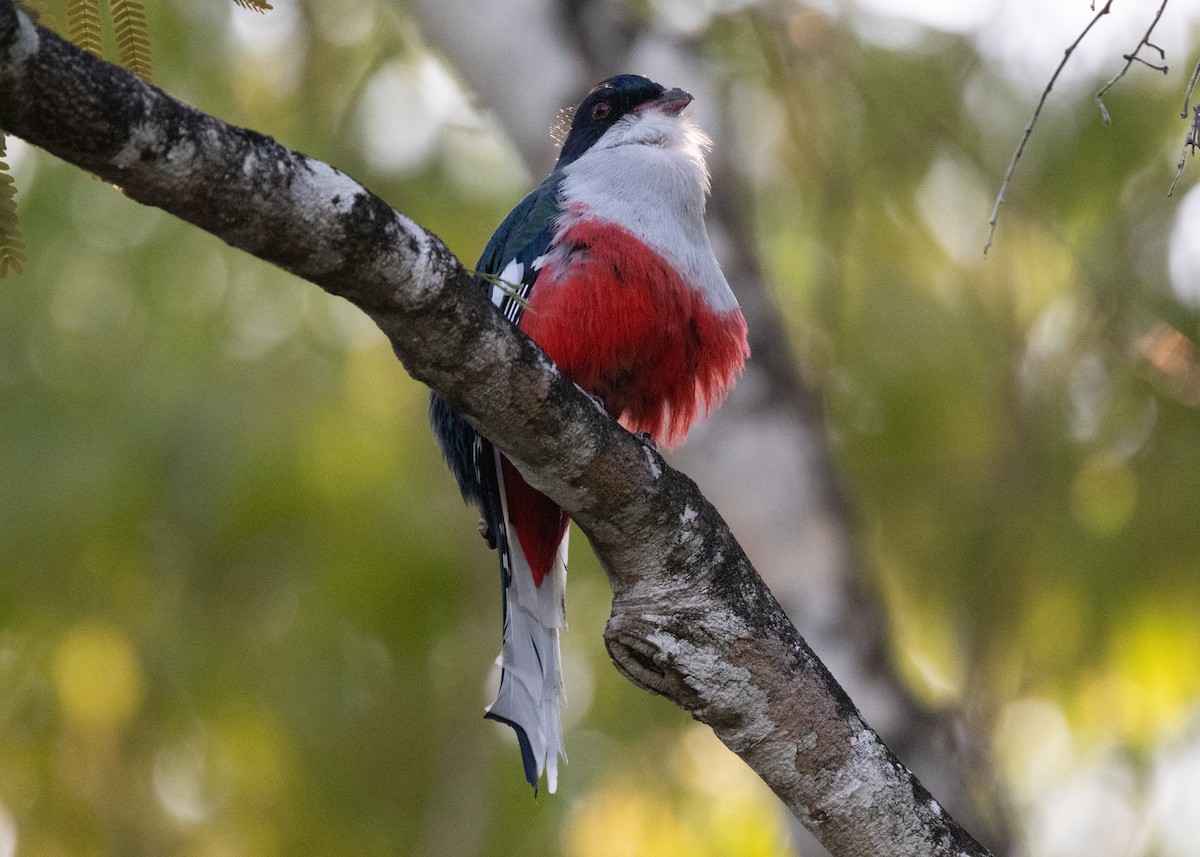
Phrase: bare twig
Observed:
(1012, 165)
(1131, 58)
(1187, 96)
(1192, 141)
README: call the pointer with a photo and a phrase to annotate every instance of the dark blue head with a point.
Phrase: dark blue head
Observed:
(608, 102)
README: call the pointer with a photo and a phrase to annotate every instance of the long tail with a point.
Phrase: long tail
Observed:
(531, 686)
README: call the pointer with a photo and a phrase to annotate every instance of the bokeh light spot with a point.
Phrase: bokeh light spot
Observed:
(1156, 655)
(8, 834)
(179, 781)
(98, 677)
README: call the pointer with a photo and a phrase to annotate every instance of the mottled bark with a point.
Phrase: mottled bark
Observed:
(691, 618)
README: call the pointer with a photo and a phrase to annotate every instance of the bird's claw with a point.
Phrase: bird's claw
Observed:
(486, 533)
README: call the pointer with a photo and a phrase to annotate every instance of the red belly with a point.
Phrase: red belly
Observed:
(621, 322)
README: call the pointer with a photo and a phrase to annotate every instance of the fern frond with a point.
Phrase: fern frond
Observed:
(133, 38)
(83, 25)
(512, 290)
(256, 5)
(12, 247)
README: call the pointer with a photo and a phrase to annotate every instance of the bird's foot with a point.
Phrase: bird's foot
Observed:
(646, 438)
(486, 533)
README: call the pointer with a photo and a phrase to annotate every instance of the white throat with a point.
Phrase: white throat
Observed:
(647, 175)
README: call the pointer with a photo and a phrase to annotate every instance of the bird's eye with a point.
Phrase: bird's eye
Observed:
(601, 110)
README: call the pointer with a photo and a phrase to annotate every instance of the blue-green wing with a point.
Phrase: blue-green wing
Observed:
(511, 255)
(514, 248)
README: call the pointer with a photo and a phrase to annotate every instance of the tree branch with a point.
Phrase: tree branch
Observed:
(691, 618)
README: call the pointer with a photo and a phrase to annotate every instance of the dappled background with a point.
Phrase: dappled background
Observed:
(243, 610)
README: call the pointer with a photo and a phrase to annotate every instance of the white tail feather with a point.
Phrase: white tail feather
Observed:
(531, 686)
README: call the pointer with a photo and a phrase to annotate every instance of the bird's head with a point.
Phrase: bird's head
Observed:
(624, 109)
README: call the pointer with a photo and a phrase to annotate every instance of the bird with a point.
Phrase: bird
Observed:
(608, 267)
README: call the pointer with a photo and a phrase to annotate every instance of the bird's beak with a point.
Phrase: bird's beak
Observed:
(670, 102)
